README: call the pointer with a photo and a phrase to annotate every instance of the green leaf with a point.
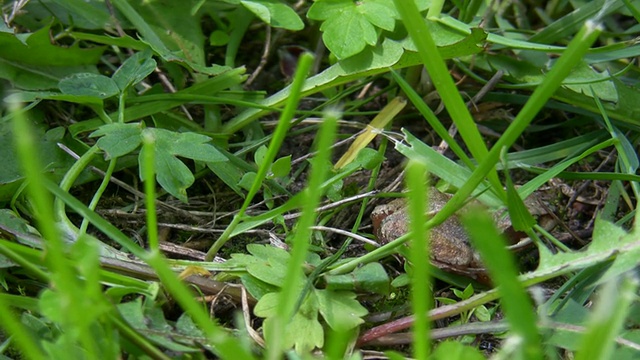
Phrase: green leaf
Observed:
(259, 155)
(148, 319)
(118, 139)
(56, 160)
(162, 26)
(172, 174)
(281, 167)
(88, 84)
(218, 38)
(482, 313)
(269, 252)
(36, 49)
(323, 10)
(83, 14)
(340, 309)
(348, 34)
(190, 145)
(349, 26)
(257, 288)
(521, 218)
(275, 13)
(304, 332)
(267, 305)
(247, 180)
(134, 69)
(381, 13)
(401, 281)
(187, 327)
(266, 263)
(454, 350)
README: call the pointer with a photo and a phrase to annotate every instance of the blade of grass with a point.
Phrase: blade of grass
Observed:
(432, 119)
(627, 156)
(304, 65)
(293, 279)
(375, 127)
(576, 49)
(148, 172)
(419, 251)
(445, 86)
(225, 345)
(516, 303)
(68, 288)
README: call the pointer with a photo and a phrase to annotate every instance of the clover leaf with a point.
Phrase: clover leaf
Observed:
(349, 26)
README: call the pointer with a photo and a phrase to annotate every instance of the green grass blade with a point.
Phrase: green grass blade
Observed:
(575, 51)
(445, 86)
(516, 303)
(292, 283)
(432, 119)
(420, 284)
(149, 173)
(304, 65)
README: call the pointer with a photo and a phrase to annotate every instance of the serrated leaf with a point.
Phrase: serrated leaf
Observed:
(134, 69)
(188, 144)
(88, 84)
(118, 139)
(340, 309)
(171, 173)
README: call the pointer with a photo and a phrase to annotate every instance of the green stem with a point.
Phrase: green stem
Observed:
(67, 182)
(148, 149)
(99, 192)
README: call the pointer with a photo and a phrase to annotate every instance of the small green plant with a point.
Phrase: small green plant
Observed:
(335, 302)
(481, 312)
(173, 175)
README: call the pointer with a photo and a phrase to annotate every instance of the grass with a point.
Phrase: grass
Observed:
(182, 188)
